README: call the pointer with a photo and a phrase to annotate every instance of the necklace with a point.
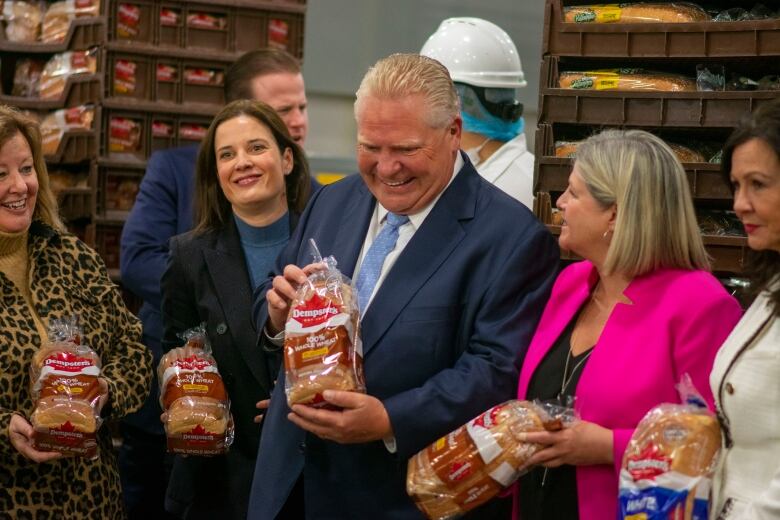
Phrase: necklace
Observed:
(568, 377)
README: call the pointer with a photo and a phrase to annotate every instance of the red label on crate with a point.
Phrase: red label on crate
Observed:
(206, 21)
(129, 14)
(169, 17)
(78, 60)
(161, 129)
(166, 73)
(192, 131)
(278, 33)
(124, 69)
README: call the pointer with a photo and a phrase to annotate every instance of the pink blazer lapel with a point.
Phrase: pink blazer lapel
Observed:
(569, 293)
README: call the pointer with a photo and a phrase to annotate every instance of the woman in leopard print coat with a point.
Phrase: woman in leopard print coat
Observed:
(45, 274)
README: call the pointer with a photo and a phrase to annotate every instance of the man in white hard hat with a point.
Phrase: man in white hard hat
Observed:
(484, 64)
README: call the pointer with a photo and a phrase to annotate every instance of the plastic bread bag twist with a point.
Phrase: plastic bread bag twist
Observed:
(668, 463)
(66, 390)
(193, 396)
(477, 461)
(322, 345)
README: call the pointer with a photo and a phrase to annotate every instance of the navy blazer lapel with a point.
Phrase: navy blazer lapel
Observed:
(439, 235)
(228, 271)
(352, 230)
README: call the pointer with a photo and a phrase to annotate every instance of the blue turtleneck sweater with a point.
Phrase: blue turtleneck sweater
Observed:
(262, 245)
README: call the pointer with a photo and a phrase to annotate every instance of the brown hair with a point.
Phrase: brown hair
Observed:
(762, 267)
(212, 209)
(238, 79)
(12, 122)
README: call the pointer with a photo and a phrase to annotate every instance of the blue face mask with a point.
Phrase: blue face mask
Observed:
(478, 120)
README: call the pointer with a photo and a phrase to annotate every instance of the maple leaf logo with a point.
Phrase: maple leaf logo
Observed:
(315, 311)
(649, 463)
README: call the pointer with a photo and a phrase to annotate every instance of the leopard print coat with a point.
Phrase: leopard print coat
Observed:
(66, 278)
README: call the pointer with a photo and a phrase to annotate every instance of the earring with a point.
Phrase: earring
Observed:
(605, 234)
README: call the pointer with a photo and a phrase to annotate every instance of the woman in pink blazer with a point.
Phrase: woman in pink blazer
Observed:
(621, 327)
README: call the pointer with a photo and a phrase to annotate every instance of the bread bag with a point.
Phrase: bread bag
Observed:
(56, 123)
(22, 20)
(568, 149)
(58, 17)
(641, 12)
(667, 466)
(477, 461)
(193, 396)
(61, 66)
(322, 346)
(65, 388)
(637, 80)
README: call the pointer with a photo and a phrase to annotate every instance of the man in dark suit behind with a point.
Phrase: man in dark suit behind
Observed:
(447, 319)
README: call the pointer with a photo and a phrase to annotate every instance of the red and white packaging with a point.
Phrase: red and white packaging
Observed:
(128, 20)
(124, 135)
(322, 345)
(124, 77)
(192, 131)
(206, 21)
(196, 76)
(166, 73)
(193, 395)
(278, 34)
(169, 17)
(161, 129)
(65, 387)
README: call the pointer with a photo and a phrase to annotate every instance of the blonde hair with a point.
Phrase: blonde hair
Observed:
(401, 75)
(12, 122)
(655, 224)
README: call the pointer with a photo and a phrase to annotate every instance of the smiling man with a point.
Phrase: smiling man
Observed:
(451, 275)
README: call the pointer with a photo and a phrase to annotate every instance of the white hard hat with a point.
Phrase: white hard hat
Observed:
(476, 52)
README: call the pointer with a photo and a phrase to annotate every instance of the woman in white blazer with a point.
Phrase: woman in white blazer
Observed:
(745, 379)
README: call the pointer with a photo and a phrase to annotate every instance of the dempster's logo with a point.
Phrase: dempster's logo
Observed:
(648, 464)
(488, 419)
(68, 362)
(316, 311)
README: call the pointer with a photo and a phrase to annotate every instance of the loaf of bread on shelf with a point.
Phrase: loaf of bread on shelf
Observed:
(641, 12)
(626, 80)
(60, 67)
(475, 462)
(58, 17)
(55, 124)
(22, 20)
(568, 150)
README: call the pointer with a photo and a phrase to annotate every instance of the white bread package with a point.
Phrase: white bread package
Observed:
(193, 396)
(668, 463)
(322, 346)
(66, 391)
(475, 462)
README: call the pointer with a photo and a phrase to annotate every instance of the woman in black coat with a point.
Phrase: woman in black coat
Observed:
(251, 184)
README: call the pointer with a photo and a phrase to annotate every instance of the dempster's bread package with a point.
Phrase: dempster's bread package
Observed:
(193, 396)
(475, 462)
(668, 463)
(66, 391)
(322, 346)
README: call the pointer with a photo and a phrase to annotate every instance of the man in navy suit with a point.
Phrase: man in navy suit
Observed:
(162, 210)
(447, 313)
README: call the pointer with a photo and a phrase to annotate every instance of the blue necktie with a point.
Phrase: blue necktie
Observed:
(375, 258)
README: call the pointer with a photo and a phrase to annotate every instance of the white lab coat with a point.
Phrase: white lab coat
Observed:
(511, 168)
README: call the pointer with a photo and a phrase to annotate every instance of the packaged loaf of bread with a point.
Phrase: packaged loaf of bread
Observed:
(640, 12)
(61, 66)
(568, 149)
(27, 77)
(55, 124)
(124, 135)
(638, 80)
(128, 20)
(668, 463)
(22, 20)
(194, 399)
(56, 21)
(66, 390)
(475, 462)
(322, 345)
